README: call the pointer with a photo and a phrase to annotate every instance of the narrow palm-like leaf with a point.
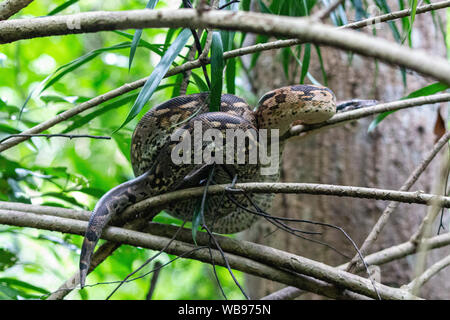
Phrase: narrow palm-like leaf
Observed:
(285, 54)
(67, 68)
(217, 66)
(413, 6)
(309, 75)
(156, 48)
(322, 66)
(264, 8)
(230, 75)
(157, 75)
(305, 63)
(137, 35)
(200, 83)
(61, 7)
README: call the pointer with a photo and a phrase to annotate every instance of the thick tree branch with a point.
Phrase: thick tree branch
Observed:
(272, 187)
(9, 8)
(299, 28)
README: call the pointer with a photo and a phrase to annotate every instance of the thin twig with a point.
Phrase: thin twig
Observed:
(69, 136)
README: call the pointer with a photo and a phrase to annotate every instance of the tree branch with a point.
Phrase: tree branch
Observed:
(9, 8)
(69, 136)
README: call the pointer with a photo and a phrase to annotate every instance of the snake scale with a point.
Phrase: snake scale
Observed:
(152, 147)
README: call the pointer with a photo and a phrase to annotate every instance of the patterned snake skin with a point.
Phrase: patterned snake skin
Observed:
(156, 173)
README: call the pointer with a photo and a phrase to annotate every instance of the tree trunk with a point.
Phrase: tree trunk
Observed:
(351, 156)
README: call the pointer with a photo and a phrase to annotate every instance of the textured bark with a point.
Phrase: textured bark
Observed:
(351, 156)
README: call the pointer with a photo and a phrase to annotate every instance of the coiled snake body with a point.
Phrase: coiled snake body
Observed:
(156, 173)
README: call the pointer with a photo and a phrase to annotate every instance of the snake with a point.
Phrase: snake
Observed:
(152, 146)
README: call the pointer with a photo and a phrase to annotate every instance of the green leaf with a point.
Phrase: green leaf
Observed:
(8, 129)
(13, 289)
(176, 86)
(157, 75)
(7, 259)
(264, 8)
(217, 66)
(72, 100)
(285, 60)
(230, 75)
(305, 63)
(81, 121)
(378, 119)
(169, 36)
(156, 48)
(310, 77)
(428, 90)
(94, 192)
(23, 284)
(63, 197)
(413, 6)
(425, 91)
(124, 145)
(69, 67)
(75, 64)
(246, 5)
(322, 66)
(61, 7)
(137, 35)
(200, 83)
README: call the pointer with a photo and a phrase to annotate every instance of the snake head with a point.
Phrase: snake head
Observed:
(306, 104)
